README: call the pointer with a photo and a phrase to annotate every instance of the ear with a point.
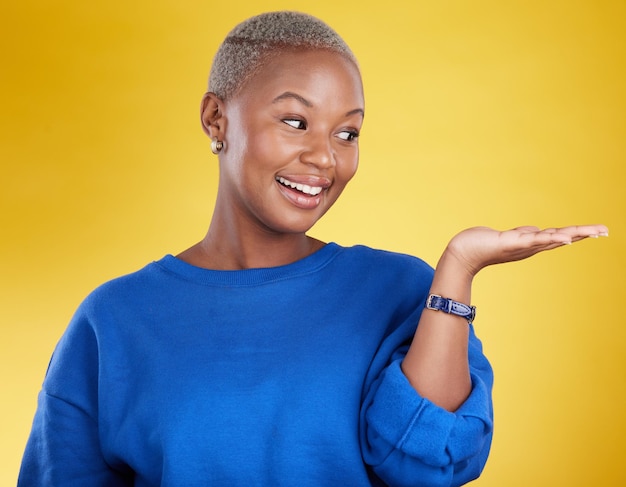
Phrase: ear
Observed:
(212, 116)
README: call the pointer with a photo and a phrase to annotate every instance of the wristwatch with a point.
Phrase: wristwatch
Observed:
(449, 306)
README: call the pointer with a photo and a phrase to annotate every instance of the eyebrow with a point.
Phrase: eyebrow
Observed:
(355, 112)
(291, 94)
(307, 103)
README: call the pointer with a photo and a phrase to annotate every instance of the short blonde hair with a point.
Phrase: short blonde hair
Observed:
(254, 41)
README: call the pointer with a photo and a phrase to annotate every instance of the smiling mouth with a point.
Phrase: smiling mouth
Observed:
(303, 188)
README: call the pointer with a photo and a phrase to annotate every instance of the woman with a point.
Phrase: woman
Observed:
(260, 355)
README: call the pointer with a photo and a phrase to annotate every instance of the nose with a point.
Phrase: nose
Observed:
(318, 151)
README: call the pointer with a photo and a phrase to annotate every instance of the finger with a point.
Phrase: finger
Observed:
(582, 231)
(552, 236)
(570, 234)
(527, 229)
(534, 240)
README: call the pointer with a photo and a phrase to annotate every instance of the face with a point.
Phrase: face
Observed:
(291, 140)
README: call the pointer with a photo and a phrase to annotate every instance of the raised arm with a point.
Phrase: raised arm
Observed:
(437, 361)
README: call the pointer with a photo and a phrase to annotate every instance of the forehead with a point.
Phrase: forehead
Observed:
(321, 73)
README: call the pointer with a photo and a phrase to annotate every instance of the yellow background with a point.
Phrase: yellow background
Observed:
(478, 113)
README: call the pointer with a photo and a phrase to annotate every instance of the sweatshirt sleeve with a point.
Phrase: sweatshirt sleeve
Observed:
(64, 446)
(409, 441)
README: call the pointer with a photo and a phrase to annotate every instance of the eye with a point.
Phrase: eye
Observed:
(295, 123)
(348, 135)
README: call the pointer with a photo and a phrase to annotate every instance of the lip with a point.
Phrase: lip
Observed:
(309, 179)
(298, 198)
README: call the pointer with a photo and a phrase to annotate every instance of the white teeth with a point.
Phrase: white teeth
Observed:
(304, 188)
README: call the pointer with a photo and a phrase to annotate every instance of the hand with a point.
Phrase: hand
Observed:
(478, 247)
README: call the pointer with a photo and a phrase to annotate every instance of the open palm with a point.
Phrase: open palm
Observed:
(478, 247)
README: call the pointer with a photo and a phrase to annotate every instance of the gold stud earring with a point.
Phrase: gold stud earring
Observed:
(216, 146)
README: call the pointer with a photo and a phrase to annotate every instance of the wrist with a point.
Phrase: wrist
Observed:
(452, 265)
(452, 279)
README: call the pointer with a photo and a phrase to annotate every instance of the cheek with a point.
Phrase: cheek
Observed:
(348, 167)
(269, 150)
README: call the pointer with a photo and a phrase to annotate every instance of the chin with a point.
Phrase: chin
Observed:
(293, 225)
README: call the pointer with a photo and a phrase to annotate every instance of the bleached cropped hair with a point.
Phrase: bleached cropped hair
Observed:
(254, 41)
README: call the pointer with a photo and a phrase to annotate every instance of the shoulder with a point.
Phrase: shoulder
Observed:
(386, 261)
(388, 269)
(148, 283)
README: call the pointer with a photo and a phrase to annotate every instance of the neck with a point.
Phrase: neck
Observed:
(225, 254)
(229, 247)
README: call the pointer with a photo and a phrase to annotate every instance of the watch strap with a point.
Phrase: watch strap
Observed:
(447, 305)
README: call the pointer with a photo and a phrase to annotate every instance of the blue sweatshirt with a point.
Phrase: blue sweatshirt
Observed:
(287, 376)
